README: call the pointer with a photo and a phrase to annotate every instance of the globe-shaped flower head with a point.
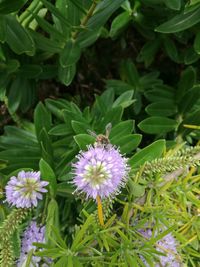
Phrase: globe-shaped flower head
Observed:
(24, 190)
(100, 171)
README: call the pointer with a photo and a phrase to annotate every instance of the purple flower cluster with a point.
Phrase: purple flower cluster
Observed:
(24, 190)
(166, 245)
(32, 234)
(100, 171)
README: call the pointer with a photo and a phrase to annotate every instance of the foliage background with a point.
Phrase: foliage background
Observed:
(69, 66)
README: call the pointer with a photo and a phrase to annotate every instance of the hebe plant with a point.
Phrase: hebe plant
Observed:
(69, 68)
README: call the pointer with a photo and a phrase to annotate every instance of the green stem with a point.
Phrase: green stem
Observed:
(86, 18)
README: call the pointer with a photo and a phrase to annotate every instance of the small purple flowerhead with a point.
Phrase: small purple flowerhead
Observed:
(166, 245)
(100, 171)
(24, 190)
(33, 233)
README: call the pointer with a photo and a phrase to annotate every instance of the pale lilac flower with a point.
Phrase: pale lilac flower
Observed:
(32, 234)
(100, 171)
(166, 245)
(24, 190)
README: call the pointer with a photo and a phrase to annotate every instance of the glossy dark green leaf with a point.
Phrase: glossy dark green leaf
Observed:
(157, 125)
(30, 71)
(18, 38)
(102, 12)
(55, 11)
(121, 129)
(190, 56)
(173, 4)
(83, 140)
(70, 54)
(148, 52)
(119, 23)
(153, 151)
(67, 74)
(161, 108)
(113, 116)
(160, 93)
(127, 143)
(189, 99)
(61, 129)
(124, 100)
(186, 82)
(15, 93)
(80, 127)
(197, 43)
(118, 86)
(42, 119)
(180, 22)
(44, 43)
(129, 73)
(10, 6)
(171, 49)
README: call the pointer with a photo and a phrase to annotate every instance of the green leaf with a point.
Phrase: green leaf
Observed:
(103, 11)
(136, 190)
(44, 43)
(197, 43)
(10, 6)
(81, 233)
(118, 86)
(51, 220)
(190, 56)
(2, 29)
(48, 175)
(121, 129)
(119, 23)
(55, 11)
(171, 49)
(153, 151)
(189, 99)
(65, 189)
(18, 38)
(148, 52)
(15, 94)
(61, 129)
(113, 116)
(80, 127)
(83, 140)
(173, 4)
(161, 108)
(160, 93)
(157, 125)
(187, 80)
(128, 72)
(67, 74)
(30, 71)
(127, 143)
(124, 99)
(180, 22)
(61, 262)
(42, 119)
(70, 53)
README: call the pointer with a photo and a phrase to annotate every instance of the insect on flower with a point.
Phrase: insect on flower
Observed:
(100, 171)
(102, 140)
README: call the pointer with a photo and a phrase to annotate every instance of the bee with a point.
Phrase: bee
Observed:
(102, 140)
